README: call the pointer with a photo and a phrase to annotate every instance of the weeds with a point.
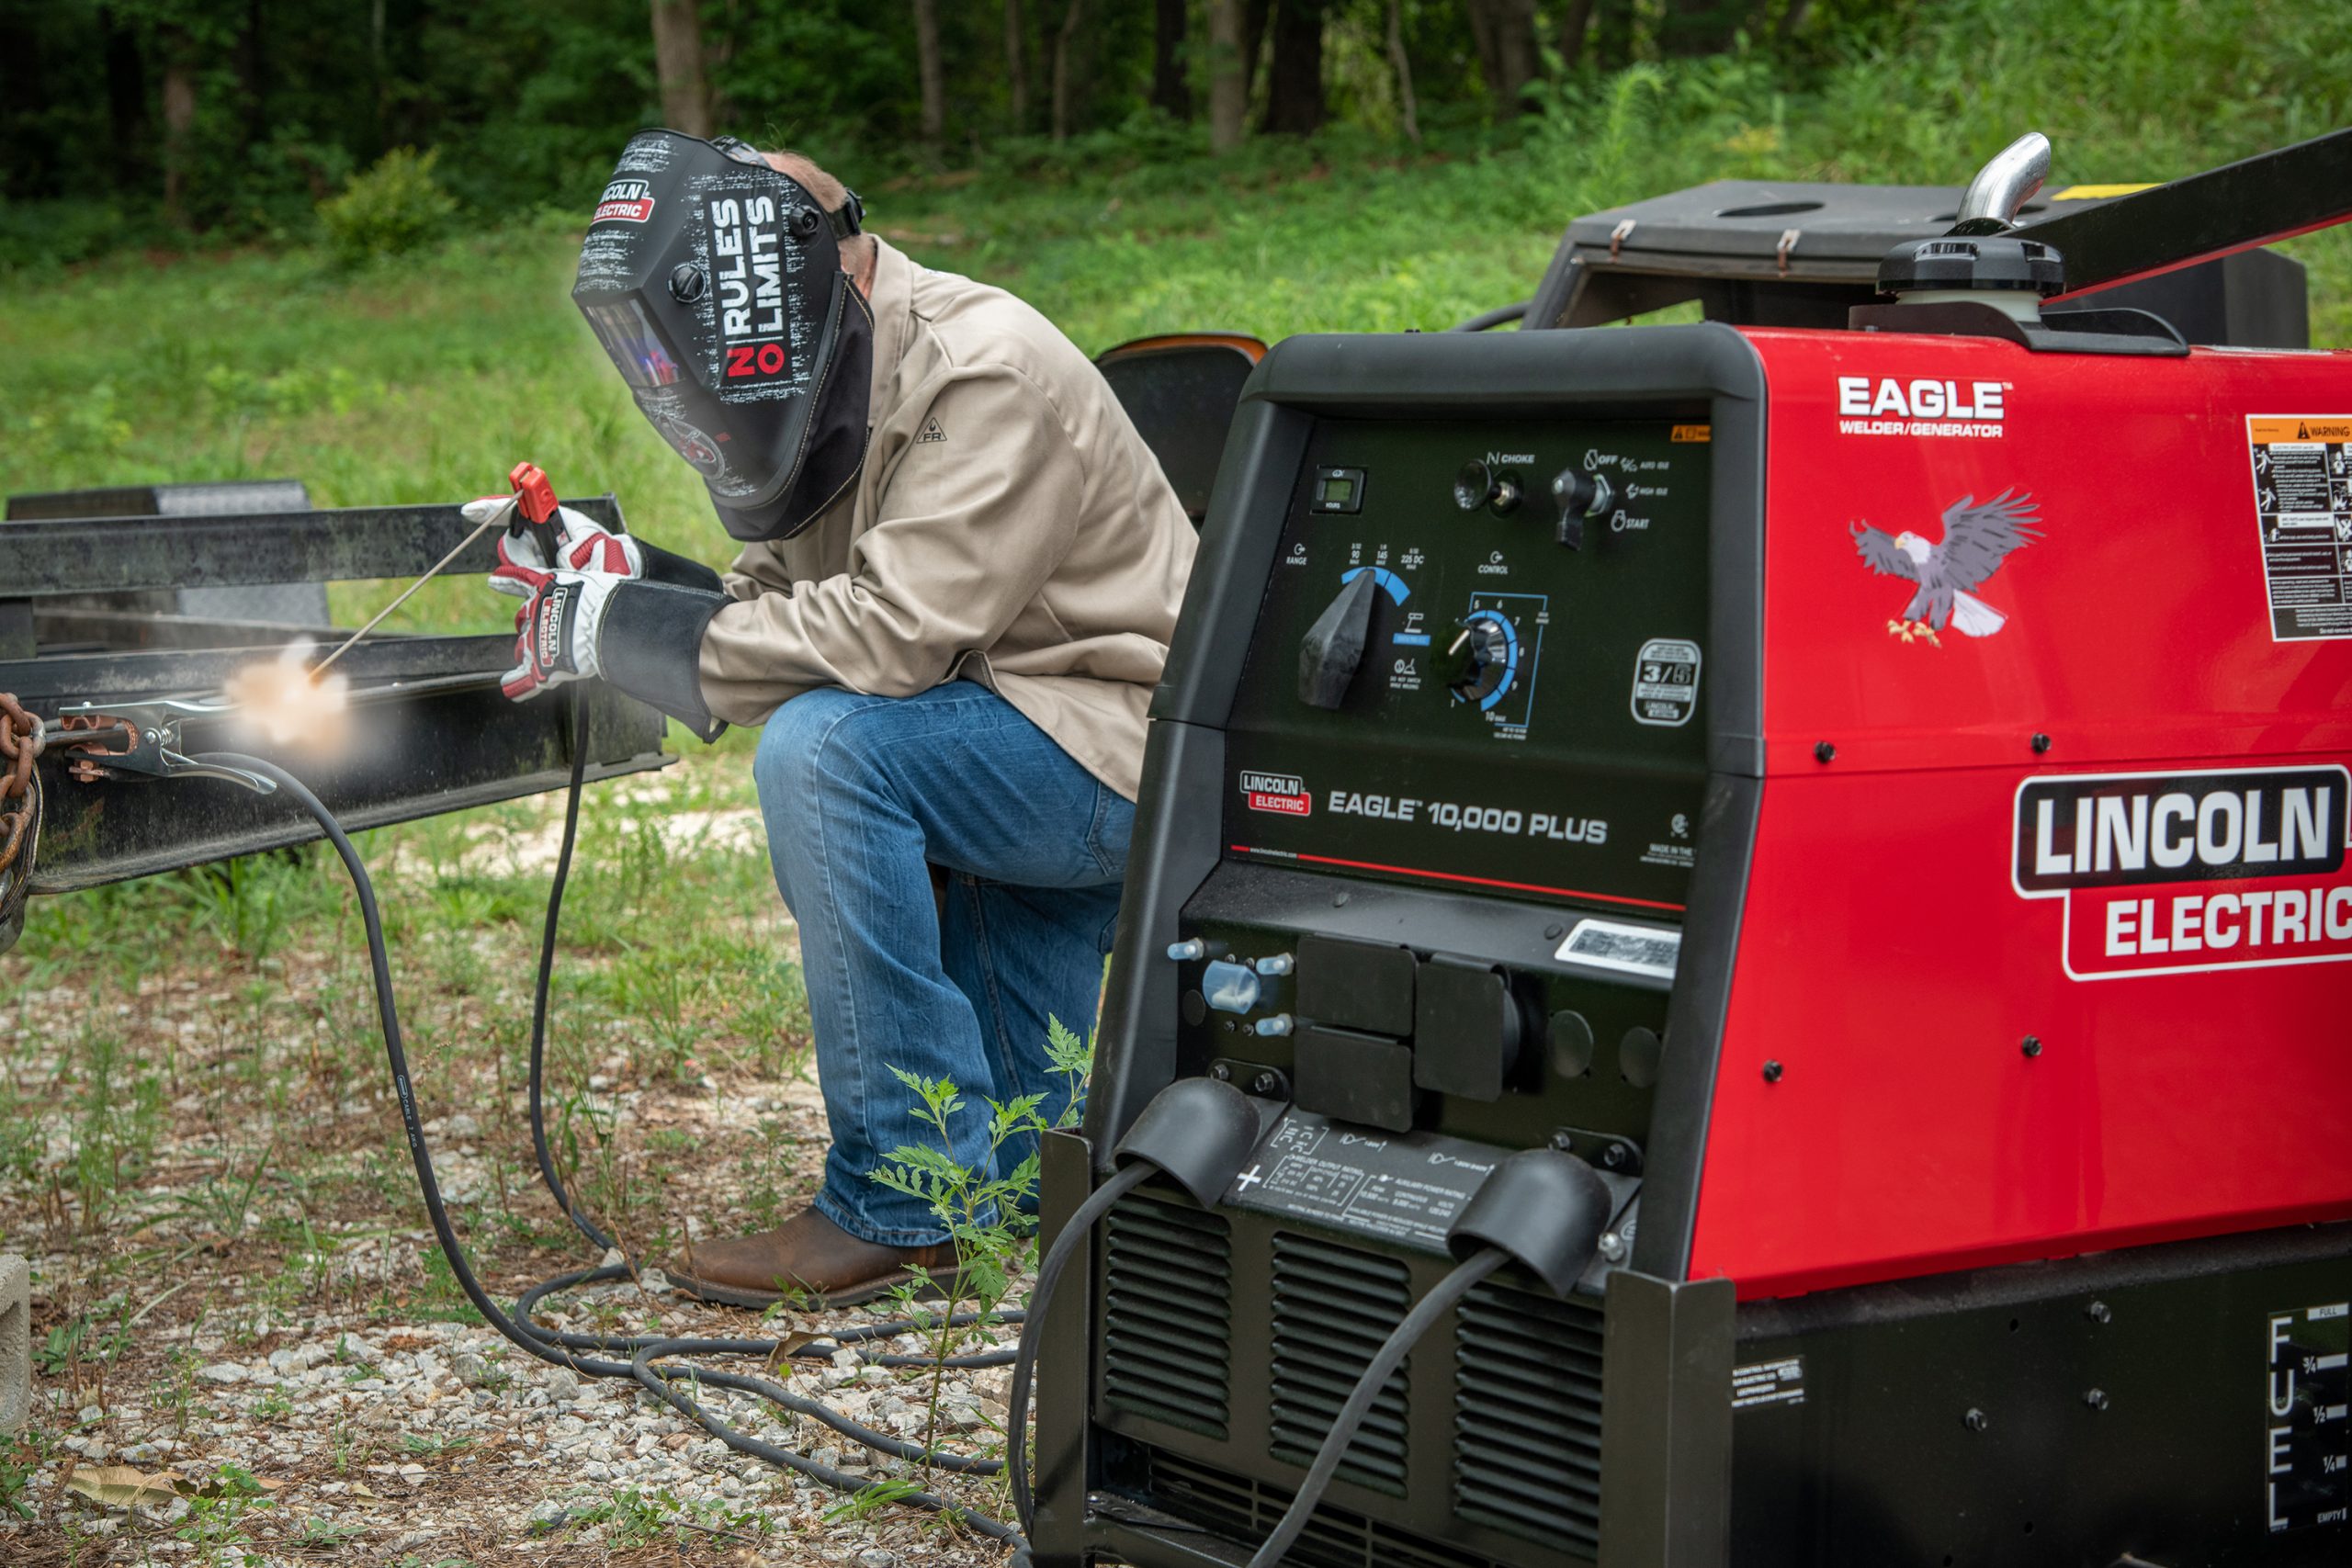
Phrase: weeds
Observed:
(985, 1210)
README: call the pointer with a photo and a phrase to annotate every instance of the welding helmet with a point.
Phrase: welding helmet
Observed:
(715, 283)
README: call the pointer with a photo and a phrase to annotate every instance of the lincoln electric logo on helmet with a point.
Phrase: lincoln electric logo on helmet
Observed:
(631, 201)
(746, 247)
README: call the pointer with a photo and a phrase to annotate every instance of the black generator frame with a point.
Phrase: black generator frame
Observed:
(1667, 1339)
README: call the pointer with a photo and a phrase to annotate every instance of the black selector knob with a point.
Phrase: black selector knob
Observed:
(1469, 663)
(1578, 495)
(1476, 485)
(1333, 647)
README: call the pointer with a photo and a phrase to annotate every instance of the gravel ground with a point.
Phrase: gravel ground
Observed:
(237, 1304)
(488, 1455)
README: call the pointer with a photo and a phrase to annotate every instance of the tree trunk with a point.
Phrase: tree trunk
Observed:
(251, 60)
(1481, 15)
(935, 90)
(179, 124)
(1792, 19)
(677, 61)
(1611, 34)
(1171, 93)
(1402, 64)
(1064, 41)
(1699, 26)
(1513, 52)
(379, 79)
(1228, 84)
(1505, 33)
(1016, 65)
(1253, 37)
(1295, 104)
(126, 90)
(1575, 23)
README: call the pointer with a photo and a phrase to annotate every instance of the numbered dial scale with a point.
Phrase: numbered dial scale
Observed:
(1441, 691)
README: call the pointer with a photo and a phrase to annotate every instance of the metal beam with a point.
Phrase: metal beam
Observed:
(105, 554)
(2270, 197)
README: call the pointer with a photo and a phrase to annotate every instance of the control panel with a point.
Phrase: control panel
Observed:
(1480, 663)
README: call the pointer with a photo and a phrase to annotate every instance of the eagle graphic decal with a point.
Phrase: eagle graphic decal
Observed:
(1976, 540)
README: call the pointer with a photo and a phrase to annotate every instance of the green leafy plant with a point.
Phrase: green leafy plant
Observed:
(322, 1534)
(394, 208)
(985, 1210)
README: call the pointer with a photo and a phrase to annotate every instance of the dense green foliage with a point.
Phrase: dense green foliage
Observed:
(425, 378)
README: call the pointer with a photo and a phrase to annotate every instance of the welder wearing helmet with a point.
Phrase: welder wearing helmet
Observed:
(960, 572)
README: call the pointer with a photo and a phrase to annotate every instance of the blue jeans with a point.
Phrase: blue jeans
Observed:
(859, 794)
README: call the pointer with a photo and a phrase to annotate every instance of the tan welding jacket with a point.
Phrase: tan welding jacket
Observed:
(1009, 527)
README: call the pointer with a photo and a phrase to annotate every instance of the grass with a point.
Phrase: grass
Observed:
(193, 1127)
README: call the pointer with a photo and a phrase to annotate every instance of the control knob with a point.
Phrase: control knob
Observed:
(1476, 485)
(1578, 495)
(1476, 662)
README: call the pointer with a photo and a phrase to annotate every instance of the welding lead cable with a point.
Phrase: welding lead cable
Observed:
(1024, 1365)
(527, 1337)
(580, 1221)
(587, 1226)
(1442, 1297)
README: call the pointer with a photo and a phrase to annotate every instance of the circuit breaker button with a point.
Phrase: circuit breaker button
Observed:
(1355, 985)
(1353, 1078)
(1466, 1029)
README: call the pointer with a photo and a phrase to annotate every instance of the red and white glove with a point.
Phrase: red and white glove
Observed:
(583, 544)
(558, 628)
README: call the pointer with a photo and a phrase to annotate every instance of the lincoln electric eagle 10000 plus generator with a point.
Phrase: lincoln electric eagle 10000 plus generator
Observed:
(1864, 811)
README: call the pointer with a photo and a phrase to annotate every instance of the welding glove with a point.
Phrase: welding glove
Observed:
(644, 637)
(586, 545)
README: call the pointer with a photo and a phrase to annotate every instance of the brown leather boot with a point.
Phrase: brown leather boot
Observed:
(809, 1261)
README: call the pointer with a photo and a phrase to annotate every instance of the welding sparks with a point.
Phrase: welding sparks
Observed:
(289, 704)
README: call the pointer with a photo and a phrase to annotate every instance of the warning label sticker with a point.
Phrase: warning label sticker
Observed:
(2302, 500)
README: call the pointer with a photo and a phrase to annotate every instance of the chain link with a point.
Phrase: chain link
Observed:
(18, 802)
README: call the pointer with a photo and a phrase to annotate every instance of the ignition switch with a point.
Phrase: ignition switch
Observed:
(1578, 495)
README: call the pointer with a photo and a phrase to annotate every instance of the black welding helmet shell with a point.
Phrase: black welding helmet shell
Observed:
(714, 283)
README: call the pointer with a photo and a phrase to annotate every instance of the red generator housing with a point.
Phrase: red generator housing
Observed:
(1880, 798)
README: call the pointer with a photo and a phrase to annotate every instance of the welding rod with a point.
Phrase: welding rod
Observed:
(493, 520)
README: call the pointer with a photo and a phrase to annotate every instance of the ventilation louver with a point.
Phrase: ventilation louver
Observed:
(1527, 1417)
(1333, 1306)
(1167, 1309)
(1243, 1511)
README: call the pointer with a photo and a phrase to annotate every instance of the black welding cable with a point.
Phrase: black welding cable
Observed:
(586, 1226)
(657, 1381)
(527, 1308)
(1442, 1297)
(1024, 1365)
(544, 1345)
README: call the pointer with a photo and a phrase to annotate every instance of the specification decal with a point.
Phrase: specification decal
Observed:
(1666, 682)
(1768, 1382)
(1403, 1187)
(2302, 500)
(1648, 951)
(2306, 1427)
